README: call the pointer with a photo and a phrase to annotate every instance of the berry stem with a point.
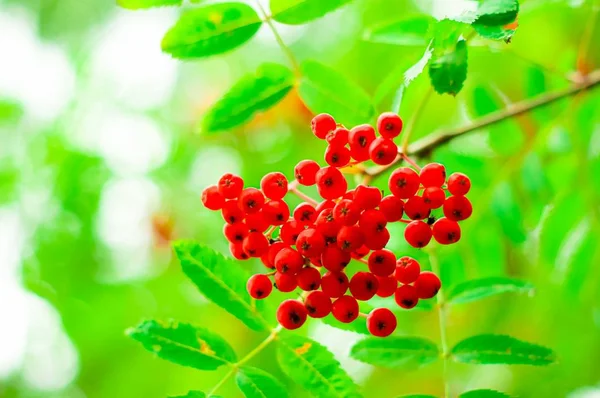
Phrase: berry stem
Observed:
(410, 162)
(441, 310)
(293, 188)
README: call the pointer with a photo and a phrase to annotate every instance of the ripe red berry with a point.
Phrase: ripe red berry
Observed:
(256, 222)
(318, 304)
(433, 175)
(289, 232)
(389, 125)
(404, 182)
(255, 244)
(338, 137)
(331, 183)
(274, 185)
(335, 259)
(407, 270)
(392, 208)
(291, 314)
(363, 286)
(322, 124)
(285, 282)
(289, 261)
(337, 155)
(346, 212)
(326, 204)
(274, 249)
(387, 286)
(457, 208)
(334, 284)
(446, 231)
(434, 197)
(232, 214)
(327, 225)
(381, 322)
(230, 186)
(417, 234)
(305, 172)
(235, 233)
(406, 296)
(360, 252)
(360, 139)
(372, 221)
(350, 238)
(308, 278)
(382, 262)
(345, 309)
(377, 240)
(212, 198)
(310, 243)
(259, 286)
(416, 208)
(305, 214)
(367, 197)
(459, 184)
(427, 285)
(276, 212)
(251, 200)
(383, 151)
(237, 251)
(316, 261)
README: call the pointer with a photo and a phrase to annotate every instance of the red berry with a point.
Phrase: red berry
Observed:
(392, 208)
(274, 186)
(387, 286)
(350, 238)
(406, 296)
(434, 197)
(433, 175)
(338, 137)
(417, 234)
(427, 285)
(360, 139)
(235, 233)
(230, 186)
(305, 214)
(310, 243)
(326, 204)
(269, 258)
(237, 251)
(327, 225)
(416, 208)
(285, 282)
(381, 322)
(382, 262)
(407, 270)
(316, 261)
(232, 214)
(259, 286)
(363, 286)
(331, 183)
(367, 197)
(256, 222)
(372, 221)
(322, 124)
(346, 212)
(389, 125)
(377, 240)
(251, 200)
(345, 309)
(335, 259)
(276, 212)
(334, 284)
(289, 261)
(212, 198)
(383, 151)
(291, 314)
(360, 252)
(337, 155)
(308, 279)
(457, 208)
(305, 172)
(289, 232)
(318, 304)
(446, 231)
(349, 194)
(255, 244)
(404, 182)
(459, 184)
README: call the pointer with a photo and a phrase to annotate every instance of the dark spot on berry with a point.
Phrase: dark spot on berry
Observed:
(401, 183)
(379, 259)
(311, 309)
(362, 141)
(388, 126)
(294, 317)
(350, 314)
(259, 293)
(328, 182)
(369, 285)
(380, 325)
(407, 303)
(279, 217)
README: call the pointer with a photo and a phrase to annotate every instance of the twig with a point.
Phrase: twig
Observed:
(293, 188)
(410, 126)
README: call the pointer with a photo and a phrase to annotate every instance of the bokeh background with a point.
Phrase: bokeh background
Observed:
(101, 165)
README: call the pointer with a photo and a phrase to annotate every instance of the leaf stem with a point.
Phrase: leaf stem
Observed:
(441, 310)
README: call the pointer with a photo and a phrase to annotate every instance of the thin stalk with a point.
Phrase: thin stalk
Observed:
(441, 310)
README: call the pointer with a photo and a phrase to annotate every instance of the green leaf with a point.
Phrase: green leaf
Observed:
(138, 4)
(418, 396)
(196, 394)
(448, 72)
(395, 352)
(506, 206)
(501, 349)
(256, 383)
(483, 394)
(183, 344)
(325, 90)
(253, 93)
(297, 12)
(312, 366)
(494, 32)
(478, 289)
(211, 30)
(496, 12)
(406, 32)
(220, 280)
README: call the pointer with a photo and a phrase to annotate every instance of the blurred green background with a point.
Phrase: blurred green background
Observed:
(101, 165)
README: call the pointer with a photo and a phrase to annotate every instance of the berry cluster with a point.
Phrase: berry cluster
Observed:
(309, 248)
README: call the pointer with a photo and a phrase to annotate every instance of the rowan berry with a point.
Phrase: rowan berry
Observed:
(366, 197)
(274, 249)
(322, 124)
(331, 183)
(382, 262)
(335, 259)
(459, 184)
(360, 252)
(337, 155)
(372, 221)
(310, 243)
(276, 212)
(305, 214)
(433, 175)
(427, 285)
(318, 304)
(230, 186)
(404, 182)
(251, 200)
(291, 314)
(306, 171)
(289, 261)
(232, 214)
(381, 322)
(259, 286)
(387, 286)
(237, 251)
(407, 270)
(406, 296)
(345, 309)
(363, 286)
(255, 244)
(235, 233)
(457, 208)
(289, 232)
(446, 231)
(383, 151)
(326, 204)
(327, 225)
(416, 208)
(434, 197)
(377, 240)
(350, 238)
(285, 282)
(346, 212)
(338, 137)
(212, 198)
(389, 125)
(392, 208)
(274, 185)
(334, 284)
(360, 139)
(256, 222)
(308, 278)
(417, 234)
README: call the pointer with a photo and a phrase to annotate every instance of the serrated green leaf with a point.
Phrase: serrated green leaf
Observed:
(313, 367)
(220, 280)
(481, 288)
(406, 32)
(296, 12)
(497, 12)
(494, 32)
(256, 383)
(323, 89)
(184, 344)
(211, 30)
(195, 394)
(253, 93)
(484, 393)
(448, 72)
(395, 352)
(139, 4)
(501, 349)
